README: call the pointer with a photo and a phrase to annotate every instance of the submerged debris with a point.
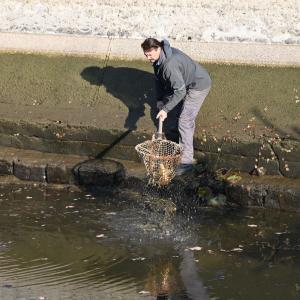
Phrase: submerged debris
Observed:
(219, 200)
(229, 176)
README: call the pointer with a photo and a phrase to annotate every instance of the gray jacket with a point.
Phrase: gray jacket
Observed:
(175, 73)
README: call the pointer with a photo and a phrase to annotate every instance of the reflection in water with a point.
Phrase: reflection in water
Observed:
(68, 245)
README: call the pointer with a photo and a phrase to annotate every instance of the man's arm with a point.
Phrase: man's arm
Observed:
(177, 84)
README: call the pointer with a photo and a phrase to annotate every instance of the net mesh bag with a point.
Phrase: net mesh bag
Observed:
(161, 158)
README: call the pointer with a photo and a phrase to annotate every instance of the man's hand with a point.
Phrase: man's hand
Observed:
(162, 114)
(159, 105)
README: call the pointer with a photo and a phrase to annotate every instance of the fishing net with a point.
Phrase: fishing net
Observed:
(161, 158)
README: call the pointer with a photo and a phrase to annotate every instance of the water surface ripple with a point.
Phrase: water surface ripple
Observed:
(57, 244)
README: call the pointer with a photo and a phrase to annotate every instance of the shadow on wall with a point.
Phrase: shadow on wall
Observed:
(133, 87)
(295, 130)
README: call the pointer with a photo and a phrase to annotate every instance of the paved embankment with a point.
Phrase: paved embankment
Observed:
(96, 107)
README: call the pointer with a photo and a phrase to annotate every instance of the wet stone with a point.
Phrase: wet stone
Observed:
(216, 161)
(240, 148)
(7, 157)
(60, 173)
(266, 191)
(249, 195)
(290, 169)
(207, 145)
(61, 169)
(288, 150)
(101, 172)
(6, 168)
(270, 167)
(260, 171)
(271, 199)
(6, 140)
(30, 170)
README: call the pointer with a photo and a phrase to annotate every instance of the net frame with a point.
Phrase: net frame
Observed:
(161, 158)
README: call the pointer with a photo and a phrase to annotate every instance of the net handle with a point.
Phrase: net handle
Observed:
(160, 126)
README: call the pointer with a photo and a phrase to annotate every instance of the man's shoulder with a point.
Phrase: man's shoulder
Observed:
(170, 64)
(173, 62)
(178, 57)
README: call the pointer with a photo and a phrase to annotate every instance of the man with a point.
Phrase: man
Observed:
(178, 79)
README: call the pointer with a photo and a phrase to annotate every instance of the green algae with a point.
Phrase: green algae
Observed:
(243, 98)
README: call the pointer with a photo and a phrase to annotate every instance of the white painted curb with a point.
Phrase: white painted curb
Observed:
(258, 54)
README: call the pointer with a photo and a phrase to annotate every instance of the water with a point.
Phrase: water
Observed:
(58, 244)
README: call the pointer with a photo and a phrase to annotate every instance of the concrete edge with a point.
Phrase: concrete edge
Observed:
(280, 159)
(129, 49)
(61, 171)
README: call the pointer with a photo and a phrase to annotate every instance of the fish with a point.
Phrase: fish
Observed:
(164, 175)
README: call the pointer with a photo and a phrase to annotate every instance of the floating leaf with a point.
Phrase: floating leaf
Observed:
(237, 249)
(100, 235)
(197, 248)
(280, 233)
(144, 293)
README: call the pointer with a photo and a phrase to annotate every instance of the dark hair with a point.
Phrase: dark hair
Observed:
(151, 43)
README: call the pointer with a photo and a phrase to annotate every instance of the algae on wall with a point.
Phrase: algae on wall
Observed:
(116, 94)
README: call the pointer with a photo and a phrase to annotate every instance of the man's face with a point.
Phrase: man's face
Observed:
(153, 54)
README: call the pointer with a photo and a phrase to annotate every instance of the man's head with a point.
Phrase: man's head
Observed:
(152, 48)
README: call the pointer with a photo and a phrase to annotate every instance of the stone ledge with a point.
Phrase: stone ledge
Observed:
(32, 167)
(64, 132)
(267, 191)
(52, 168)
(279, 159)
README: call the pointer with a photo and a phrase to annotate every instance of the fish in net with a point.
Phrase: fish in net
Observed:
(161, 158)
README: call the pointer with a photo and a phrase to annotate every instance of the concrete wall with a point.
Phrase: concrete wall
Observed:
(258, 21)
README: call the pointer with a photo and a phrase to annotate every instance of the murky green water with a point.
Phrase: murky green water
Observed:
(58, 244)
